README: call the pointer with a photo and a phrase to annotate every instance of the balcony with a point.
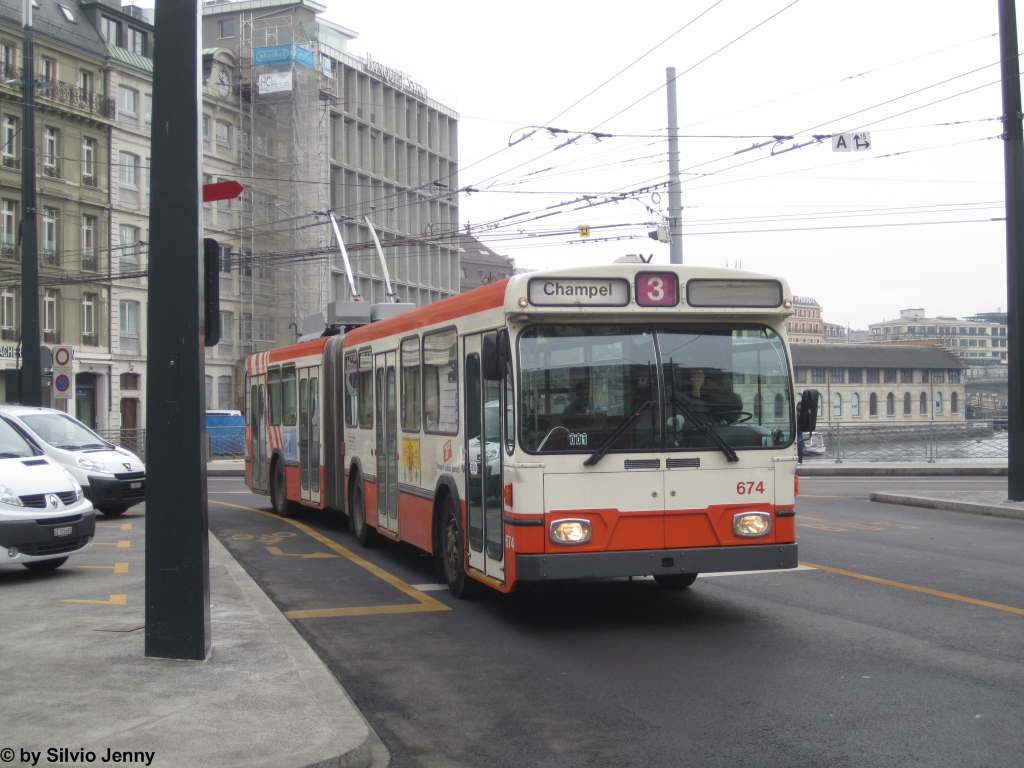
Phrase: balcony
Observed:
(89, 181)
(51, 171)
(51, 337)
(90, 340)
(9, 251)
(10, 161)
(8, 334)
(65, 93)
(50, 258)
(90, 263)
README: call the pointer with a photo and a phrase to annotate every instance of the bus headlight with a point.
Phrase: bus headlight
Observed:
(570, 531)
(750, 525)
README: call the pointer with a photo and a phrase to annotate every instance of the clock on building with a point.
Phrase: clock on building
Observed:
(223, 82)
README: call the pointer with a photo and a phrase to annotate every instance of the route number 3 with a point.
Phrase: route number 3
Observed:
(657, 289)
(745, 489)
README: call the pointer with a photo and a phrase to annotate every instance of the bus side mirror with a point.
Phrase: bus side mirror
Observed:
(807, 420)
(494, 354)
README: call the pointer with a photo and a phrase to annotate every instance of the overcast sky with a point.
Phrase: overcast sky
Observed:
(505, 67)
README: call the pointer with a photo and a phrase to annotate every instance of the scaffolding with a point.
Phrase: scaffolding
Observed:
(285, 169)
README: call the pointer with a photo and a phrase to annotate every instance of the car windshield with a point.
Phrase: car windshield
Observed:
(62, 431)
(707, 385)
(12, 444)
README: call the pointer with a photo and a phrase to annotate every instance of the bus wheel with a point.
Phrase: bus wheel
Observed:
(675, 580)
(366, 535)
(460, 585)
(279, 490)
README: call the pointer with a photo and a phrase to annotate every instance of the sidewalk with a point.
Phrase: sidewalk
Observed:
(76, 676)
(225, 468)
(993, 504)
(829, 468)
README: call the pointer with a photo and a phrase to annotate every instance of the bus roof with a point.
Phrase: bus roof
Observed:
(601, 290)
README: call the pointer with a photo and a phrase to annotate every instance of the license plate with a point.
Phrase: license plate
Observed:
(135, 485)
(65, 531)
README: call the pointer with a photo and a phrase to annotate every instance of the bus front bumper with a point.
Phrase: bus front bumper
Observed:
(654, 562)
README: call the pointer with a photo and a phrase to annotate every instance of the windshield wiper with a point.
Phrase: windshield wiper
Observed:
(8, 455)
(599, 454)
(705, 426)
(97, 446)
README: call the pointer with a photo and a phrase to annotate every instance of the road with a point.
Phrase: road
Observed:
(909, 652)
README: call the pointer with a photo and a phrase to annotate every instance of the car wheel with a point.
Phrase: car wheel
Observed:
(112, 511)
(279, 490)
(46, 565)
(366, 535)
(675, 580)
(459, 582)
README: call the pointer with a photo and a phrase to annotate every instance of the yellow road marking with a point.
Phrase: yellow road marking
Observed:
(914, 588)
(372, 610)
(427, 603)
(114, 600)
(116, 567)
(119, 526)
(313, 556)
(118, 544)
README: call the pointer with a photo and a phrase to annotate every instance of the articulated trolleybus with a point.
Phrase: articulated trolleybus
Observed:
(625, 420)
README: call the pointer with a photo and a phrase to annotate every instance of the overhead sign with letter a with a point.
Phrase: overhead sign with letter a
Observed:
(851, 142)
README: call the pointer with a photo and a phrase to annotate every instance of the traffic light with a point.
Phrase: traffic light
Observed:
(211, 291)
(660, 234)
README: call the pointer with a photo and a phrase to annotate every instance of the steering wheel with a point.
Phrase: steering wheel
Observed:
(744, 414)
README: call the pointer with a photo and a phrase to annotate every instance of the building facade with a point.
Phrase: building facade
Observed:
(880, 382)
(806, 325)
(979, 340)
(479, 265)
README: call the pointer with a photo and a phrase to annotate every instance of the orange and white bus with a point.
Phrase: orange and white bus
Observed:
(624, 420)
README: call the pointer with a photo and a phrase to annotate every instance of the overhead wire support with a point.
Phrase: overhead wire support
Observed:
(389, 291)
(344, 258)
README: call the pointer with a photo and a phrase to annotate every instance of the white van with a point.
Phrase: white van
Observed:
(113, 478)
(44, 515)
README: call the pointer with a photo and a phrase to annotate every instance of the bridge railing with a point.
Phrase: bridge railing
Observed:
(932, 441)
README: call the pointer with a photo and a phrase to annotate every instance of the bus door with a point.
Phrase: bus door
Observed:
(309, 433)
(258, 431)
(386, 426)
(484, 492)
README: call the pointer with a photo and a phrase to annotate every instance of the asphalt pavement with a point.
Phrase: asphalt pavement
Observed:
(899, 643)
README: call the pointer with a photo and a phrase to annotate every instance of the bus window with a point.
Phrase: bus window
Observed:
(351, 388)
(510, 413)
(411, 385)
(288, 394)
(365, 394)
(441, 382)
(274, 383)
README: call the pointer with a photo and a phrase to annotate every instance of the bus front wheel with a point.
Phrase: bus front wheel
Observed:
(675, 580)
(460, 584)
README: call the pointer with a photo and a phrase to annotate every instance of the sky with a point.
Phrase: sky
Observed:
(905, 224)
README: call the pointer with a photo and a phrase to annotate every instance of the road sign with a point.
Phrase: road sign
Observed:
(224, 190)
(62, 357)
(584, 230)
(62, 386)
(851, 142)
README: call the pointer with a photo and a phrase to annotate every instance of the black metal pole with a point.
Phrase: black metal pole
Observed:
(177, 548)
(1013, 160)
(31, 374)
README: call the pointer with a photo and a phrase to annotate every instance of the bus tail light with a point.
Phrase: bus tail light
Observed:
(796, 485)
(508, 494)
(570, 531)
(750, 525)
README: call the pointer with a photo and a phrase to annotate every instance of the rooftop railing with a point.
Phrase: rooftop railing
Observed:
(63, 93)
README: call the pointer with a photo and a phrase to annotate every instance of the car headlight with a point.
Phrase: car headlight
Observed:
(570, 531)
(79, 493)
(91, 466)
(7, 496)
(750, 525)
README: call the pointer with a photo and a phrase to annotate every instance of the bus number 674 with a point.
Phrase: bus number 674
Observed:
(749, 487)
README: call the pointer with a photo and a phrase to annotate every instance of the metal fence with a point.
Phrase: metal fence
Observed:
(930, 441)
(133, 440)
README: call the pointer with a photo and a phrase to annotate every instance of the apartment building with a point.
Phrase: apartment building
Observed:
(74, 114)
(806, 325)
(979, 340)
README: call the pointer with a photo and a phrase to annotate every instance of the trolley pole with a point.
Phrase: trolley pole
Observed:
(31, 373)
(675, 192)
(177, 547)
(1013, 164)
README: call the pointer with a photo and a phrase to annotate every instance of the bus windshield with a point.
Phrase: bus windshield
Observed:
(707, 385)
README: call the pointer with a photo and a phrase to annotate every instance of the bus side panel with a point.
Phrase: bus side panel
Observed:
(689, 528)
(291, 481)
(415, 518)
(370, 499)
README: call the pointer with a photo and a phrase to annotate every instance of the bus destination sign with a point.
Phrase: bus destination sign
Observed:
(578, 292)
